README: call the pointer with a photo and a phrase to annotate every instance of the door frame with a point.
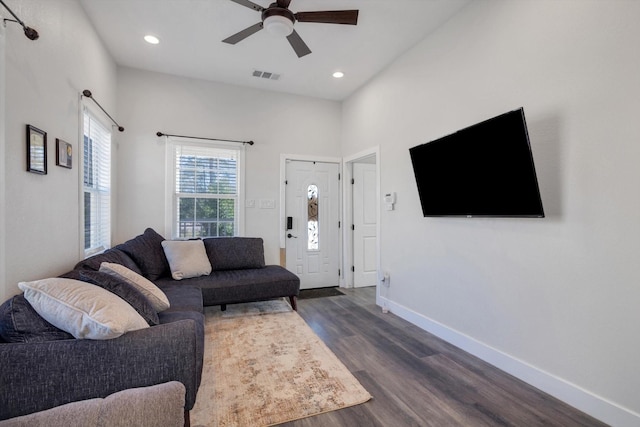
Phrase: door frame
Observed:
(283, 204)
(4, 287)
(347, 235)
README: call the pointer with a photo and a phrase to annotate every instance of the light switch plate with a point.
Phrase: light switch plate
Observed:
(267, 204)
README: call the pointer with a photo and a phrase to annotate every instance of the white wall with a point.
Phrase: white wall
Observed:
(556, 296)
(43, 81)
(277, 123)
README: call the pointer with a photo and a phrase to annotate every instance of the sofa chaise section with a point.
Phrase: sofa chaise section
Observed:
(237, 286)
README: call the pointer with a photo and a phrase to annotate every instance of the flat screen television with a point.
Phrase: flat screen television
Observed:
(484, 170)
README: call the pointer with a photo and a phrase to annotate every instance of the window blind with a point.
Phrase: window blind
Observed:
(96, 185)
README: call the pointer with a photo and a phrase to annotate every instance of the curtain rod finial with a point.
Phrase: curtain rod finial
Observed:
(120, 128)
(31, 33)
(159, 134)
(87, 93)
(250, 142)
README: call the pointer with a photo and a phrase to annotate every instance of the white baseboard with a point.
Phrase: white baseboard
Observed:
(587, 402)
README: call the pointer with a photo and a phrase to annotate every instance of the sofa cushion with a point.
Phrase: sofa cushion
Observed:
(82, 309)
(19, 322)
(187, 258)
(235, 253)
(156, 297)
(124, 290)
(146, 250)
(182, 297)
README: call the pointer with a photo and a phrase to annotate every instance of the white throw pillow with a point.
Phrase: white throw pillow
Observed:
(82, 309)
(187, 258)
(156, 297)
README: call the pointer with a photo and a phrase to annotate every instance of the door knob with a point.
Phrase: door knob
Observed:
(291, 235)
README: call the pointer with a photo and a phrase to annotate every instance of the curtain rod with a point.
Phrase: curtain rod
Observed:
(88, 94)
(208, 139)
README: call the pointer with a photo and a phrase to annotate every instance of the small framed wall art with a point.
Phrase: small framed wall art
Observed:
(64, 153)
(36, 150)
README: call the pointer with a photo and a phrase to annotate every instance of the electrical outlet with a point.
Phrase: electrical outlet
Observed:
(386, 279)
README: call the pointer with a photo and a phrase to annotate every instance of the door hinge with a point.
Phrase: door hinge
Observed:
(338, 177)
(339, 273)
(353, 269)
(353, 227)
(286, 182)
(353, 181)
(339, 224)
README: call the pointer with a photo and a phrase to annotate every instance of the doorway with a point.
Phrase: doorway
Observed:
(362, 214)
(364, 223)
(312, 222)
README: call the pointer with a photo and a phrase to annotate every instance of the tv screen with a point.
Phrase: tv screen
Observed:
(484, 170)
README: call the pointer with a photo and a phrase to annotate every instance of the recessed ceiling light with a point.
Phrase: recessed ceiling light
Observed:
(338, 74)
(151, 39)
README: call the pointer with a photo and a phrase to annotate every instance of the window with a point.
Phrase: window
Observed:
(96, 180)
(205, 190)
(312, 217)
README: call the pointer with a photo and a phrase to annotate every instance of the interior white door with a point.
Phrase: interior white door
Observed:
(312, 203)
(364, 224)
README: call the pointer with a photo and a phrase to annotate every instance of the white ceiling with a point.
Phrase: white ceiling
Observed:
(190, 33)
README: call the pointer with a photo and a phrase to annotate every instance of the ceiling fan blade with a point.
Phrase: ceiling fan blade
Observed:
(298, 44)
(249, 4)
(241, 35)
(283, 3)
(349, 17)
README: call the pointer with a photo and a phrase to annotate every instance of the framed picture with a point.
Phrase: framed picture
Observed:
(36, 150)
(64, 152)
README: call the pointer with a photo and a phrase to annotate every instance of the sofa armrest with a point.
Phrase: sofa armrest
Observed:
(39, 376)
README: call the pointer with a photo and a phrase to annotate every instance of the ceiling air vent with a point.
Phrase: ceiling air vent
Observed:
(265, 75)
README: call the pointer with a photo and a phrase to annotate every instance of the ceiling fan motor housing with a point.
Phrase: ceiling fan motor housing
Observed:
(274, 10)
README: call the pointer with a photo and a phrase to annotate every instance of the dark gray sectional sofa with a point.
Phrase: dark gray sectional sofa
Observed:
(38, 372)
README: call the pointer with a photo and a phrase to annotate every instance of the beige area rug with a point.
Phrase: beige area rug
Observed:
(263, 365)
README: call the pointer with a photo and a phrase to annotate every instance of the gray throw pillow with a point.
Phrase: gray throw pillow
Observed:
(187, 258)
(154, 294)
(124, 290)
(20, 323)
(84, 310)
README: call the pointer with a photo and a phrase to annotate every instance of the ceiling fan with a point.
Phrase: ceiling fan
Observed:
(278, 19)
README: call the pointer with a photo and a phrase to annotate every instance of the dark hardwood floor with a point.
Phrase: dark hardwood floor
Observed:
(416, 379)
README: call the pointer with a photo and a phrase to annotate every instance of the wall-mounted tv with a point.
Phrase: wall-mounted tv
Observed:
(484, 170)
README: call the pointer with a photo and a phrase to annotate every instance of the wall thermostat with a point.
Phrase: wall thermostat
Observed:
(390, 200)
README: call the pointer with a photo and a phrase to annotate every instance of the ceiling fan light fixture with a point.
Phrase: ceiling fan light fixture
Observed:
(278, 25)
(338, 75)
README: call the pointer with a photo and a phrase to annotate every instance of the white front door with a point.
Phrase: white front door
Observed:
(364, 225)
(312, 204)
